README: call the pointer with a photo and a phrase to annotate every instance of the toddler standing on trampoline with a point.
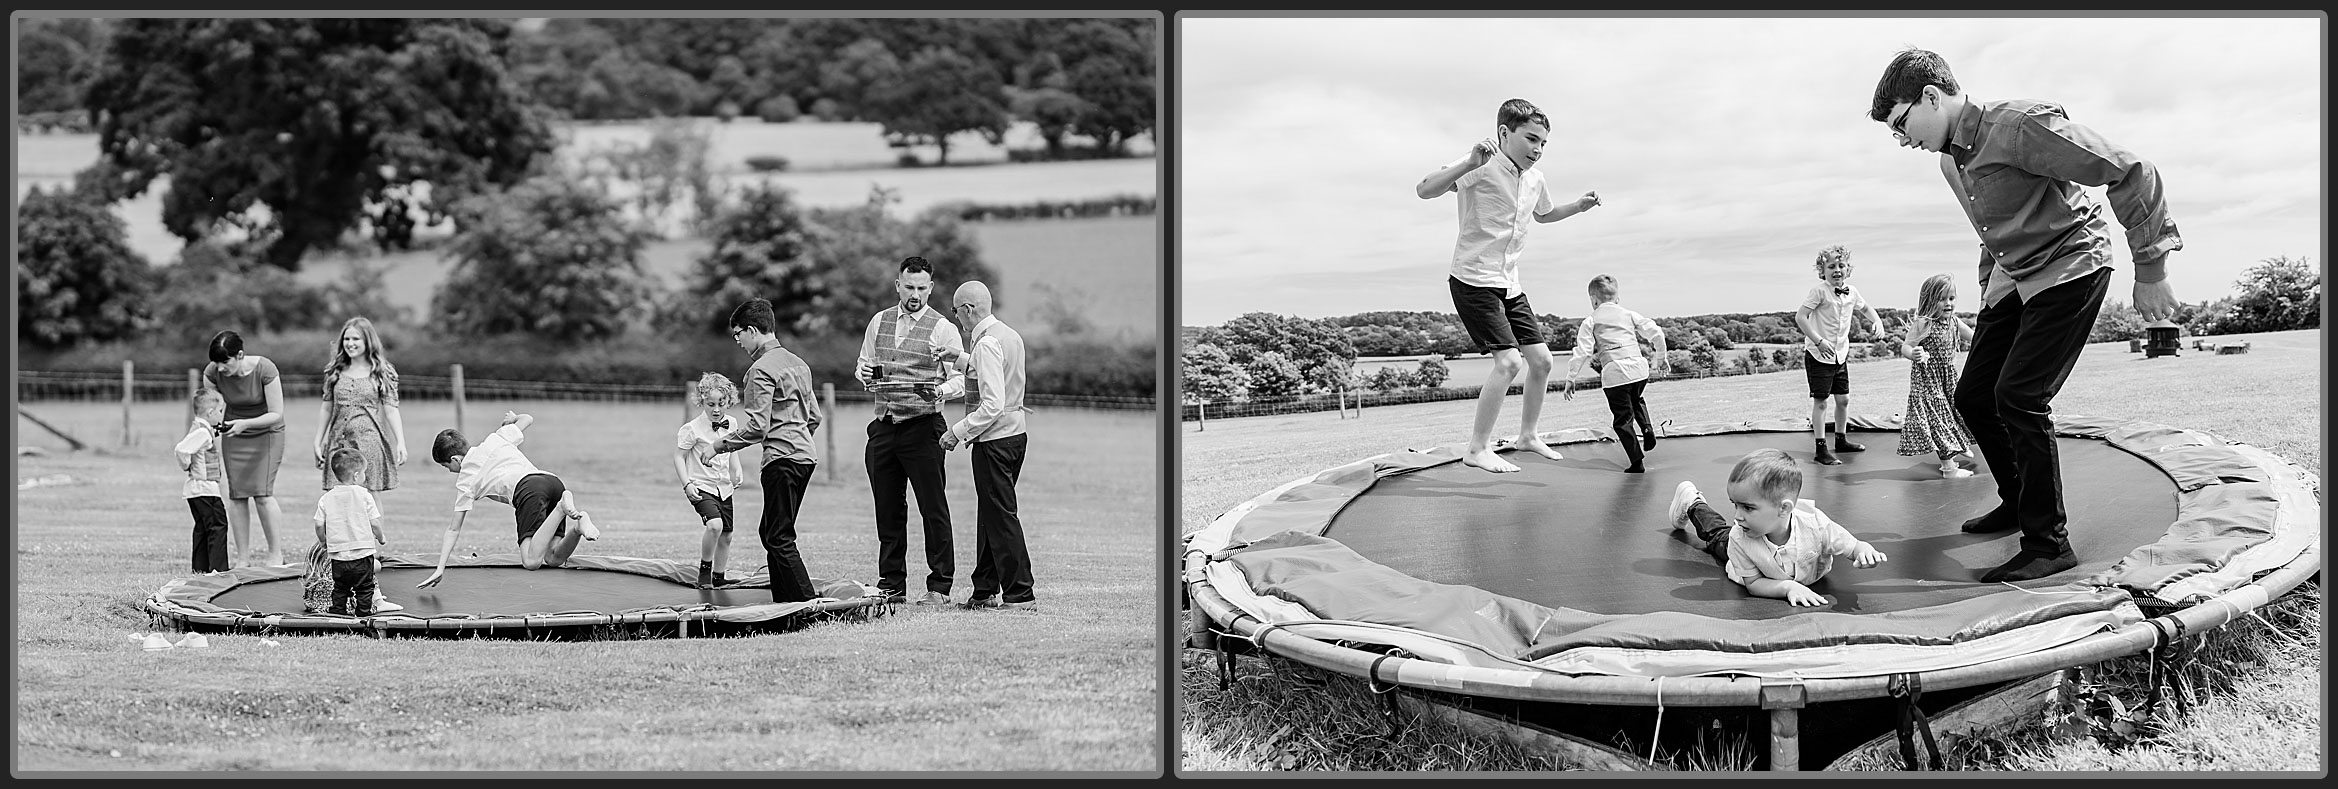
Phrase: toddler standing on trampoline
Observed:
(1609, 341)
(708, 477)
(349, 525)
(1781, 544)
(495, 470)
(1932, 424)
(1825, 321)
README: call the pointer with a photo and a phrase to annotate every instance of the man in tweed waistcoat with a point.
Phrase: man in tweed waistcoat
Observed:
(909, 362)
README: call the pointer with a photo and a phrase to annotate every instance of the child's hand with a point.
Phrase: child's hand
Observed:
(1589, 200)
(1569, 392)
(433, 580)
(1867, 556)
(1918, 355)
(510, 417)
(1802, 595)
(1482, 152)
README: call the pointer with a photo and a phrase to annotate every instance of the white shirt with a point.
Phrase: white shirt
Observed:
(492, 468)
(198, 454)
(709, 472)
(1813, 540)
(1616, 331)
(944, 335)
(1497, 202)
(348, 513)
(1830, 321)
(998, 409)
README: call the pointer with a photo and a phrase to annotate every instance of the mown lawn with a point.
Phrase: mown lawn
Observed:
(1071, 687)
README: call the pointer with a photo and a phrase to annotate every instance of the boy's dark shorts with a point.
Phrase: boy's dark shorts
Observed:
(710, 508)
(1494, 319)
(1826, 379)
(533, 498)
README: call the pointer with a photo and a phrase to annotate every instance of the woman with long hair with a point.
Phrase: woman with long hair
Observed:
(253, 443)
(360, 410)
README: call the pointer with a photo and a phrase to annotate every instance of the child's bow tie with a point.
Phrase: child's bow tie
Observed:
(1843, 291)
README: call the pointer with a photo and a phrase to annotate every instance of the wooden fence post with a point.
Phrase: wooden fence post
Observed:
(828, 448)
(1201, 416)
(129, 392)
(455, 374)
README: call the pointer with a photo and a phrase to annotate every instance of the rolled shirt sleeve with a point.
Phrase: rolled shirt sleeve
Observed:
(990, 370)
(2054, 146)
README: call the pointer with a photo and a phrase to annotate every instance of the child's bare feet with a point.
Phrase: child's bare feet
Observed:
(584, 524)
(1535, 445)
(1486, 459)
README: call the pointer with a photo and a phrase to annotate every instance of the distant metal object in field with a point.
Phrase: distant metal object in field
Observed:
(69, 439)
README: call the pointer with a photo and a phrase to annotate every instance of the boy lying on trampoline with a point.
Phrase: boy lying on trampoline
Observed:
(1781, 543)
(495, 470)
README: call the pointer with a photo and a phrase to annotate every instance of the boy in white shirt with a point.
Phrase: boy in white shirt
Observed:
(198, 456)
(1825, 321)
(495, 470)
(709, 478)
(1781, 544)
(1609, 340)
(349, 523)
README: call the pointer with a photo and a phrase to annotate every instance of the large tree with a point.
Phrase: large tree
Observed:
(940, 93)
(1109, 64)
(320, 121)
(76, 277)
(1317, 350)
(856, 253)
(551, 257)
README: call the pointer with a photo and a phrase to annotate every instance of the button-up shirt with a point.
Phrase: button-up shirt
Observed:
(2018, 167)
(493, 468)
(1829, 315)
(1611, 336)
(1497, 202)
(781, 414)
(1813, 540)
(998, 383)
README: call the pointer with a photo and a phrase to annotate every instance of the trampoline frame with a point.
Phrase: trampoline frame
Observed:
(186, 602)
(1212, 617)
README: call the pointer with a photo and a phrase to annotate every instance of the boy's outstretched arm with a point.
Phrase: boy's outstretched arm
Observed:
(1790, 591)
(446, 547)
(1588, 201)
(1441, 180)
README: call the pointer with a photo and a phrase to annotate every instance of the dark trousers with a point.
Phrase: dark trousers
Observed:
(900, 456)
(783, 495)
(1002, 563)
(2021, 355)
(210, 533)
(1624, 401)
(353, 586)
(1713, 529)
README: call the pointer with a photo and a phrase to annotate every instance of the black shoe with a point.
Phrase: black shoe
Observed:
(719, 580)
(2025, 566)
(1635, 469)
(893, 597)
(705, 575)
(1826, 458)
(1994, 522)
(1843, 444)
(983, 601)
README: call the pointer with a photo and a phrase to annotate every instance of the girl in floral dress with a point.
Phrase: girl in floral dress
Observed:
(1932, 424)
(360, 409)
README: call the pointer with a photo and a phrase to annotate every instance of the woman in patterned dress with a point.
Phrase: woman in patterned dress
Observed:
(360, 409)
(1932, 424)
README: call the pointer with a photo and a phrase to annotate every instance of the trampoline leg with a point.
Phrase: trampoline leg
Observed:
(1785, 740)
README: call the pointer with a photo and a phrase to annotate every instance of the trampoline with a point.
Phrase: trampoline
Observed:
(495, 596)
(1565, 582)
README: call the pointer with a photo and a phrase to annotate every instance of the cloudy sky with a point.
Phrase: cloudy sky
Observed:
(1726, 152)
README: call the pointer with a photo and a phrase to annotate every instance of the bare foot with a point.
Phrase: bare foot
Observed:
(1535, 445)
(584, 524)
(1486, 459)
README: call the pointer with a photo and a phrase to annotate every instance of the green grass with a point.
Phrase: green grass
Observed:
(2269, 397)
(1071, 687)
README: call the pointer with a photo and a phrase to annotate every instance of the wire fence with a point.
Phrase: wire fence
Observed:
(1367, 398)
(34, 386)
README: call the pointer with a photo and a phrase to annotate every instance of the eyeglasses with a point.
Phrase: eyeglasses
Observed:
(1899, 126)
(735, 330)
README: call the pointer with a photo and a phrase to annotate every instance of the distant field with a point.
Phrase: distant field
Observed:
(1106, 269)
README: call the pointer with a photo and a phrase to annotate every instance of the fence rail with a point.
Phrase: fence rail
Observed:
(34, 386)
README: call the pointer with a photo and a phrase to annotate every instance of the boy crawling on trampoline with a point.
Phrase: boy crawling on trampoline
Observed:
(1781, 543)
(495, 470)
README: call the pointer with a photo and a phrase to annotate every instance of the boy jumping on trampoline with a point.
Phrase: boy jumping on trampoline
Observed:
(1609, 341)
(349, 524)
(495, 470)
(1825, 321)
(708, 477)
(1497, 190)
(1781, 544)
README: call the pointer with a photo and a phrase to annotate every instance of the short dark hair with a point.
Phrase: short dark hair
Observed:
(1773, 472)
(225, 345)
(1904, 80)
(916, 265)
(1519, 111)
(447, 445)
(347, 462)
(755, 314)
(1603, 286)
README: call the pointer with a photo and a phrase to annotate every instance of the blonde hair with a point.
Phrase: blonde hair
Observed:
(715, 384)
(1936, 290)
(347, 463)
(206, 397)
(1603, 287)
(1772, 471)
(1830, 253)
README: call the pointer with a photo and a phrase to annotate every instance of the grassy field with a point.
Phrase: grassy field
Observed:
(1105, 270)
(1071, 687)
(2269, 397)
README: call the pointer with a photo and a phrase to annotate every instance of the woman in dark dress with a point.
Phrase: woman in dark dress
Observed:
(253, 445)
